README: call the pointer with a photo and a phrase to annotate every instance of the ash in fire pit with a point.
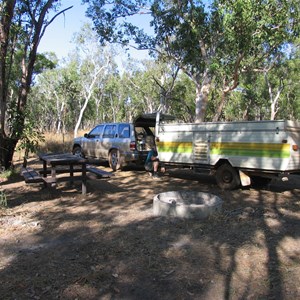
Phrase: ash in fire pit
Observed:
(184, 204)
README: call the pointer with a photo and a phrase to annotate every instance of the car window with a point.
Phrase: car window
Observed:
(96, 132)
(110, 131)
(124, 131)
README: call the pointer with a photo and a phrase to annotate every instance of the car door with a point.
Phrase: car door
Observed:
(108, 139)
(122, 140)
(94, 141)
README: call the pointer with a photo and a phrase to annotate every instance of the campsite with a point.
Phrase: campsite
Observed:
(59, 244)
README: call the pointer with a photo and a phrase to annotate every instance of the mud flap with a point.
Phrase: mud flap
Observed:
(245, 179)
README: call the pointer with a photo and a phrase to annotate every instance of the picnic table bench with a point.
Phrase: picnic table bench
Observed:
(30, 175)
(98, 172)
(63, 163)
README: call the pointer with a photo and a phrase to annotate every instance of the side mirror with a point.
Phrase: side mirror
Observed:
(86, 135)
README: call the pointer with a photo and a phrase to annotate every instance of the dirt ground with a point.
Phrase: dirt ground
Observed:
(58, 244)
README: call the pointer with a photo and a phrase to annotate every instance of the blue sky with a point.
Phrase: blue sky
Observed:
(58, 36)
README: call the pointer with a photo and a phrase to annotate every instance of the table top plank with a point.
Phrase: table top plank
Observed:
(62, 159)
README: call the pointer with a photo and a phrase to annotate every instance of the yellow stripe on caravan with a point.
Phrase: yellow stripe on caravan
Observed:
(175, 144)
(231, 149)
(255, 146)
(175, 147)
(251, 149)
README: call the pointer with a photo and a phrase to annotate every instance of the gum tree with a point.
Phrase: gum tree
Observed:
(222, 40)
(22, 25)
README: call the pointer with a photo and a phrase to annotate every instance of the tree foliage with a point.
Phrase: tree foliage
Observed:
(210, 44)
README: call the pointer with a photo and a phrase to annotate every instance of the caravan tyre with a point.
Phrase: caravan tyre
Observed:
(227, 177)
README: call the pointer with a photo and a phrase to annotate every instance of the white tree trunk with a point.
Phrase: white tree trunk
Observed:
(202, 92)
(88, 95)
(274, 99)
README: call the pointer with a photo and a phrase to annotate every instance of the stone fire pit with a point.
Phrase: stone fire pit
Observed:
(184, 204)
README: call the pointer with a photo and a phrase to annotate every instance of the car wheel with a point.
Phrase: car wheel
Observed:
(115, 160)
(78, 151)
(227, 177)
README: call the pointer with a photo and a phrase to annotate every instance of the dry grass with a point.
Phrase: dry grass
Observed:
(53, 143)
(57, 142)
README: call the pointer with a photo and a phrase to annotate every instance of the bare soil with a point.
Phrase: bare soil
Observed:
(58, 244)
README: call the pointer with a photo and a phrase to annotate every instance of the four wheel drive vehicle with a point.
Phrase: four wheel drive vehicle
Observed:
(118, 143)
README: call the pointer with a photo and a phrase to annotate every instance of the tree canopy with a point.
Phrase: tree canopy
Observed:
(221, 40)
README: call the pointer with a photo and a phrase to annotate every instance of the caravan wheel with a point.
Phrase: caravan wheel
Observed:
(227, 177)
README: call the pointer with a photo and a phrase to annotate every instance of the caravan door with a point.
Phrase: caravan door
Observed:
(201, 142)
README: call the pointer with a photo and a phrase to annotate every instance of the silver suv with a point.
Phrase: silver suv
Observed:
(117, 143)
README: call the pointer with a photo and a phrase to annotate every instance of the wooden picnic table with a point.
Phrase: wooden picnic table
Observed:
(59, 163)
(51, 162)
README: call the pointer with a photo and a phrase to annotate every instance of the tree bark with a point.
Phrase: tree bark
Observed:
(202, 92)
(221, 105)
(6, 15)
(273, 99)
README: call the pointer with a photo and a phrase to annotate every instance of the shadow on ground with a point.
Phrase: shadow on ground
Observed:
(108, 245)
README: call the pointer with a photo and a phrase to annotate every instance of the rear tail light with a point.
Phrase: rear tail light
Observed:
(132, 146)
(295, 147)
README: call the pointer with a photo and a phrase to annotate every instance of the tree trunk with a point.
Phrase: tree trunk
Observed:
(221, 105)
(60, 117)
(88, 94)
(7, 151)
(273, 99)
(202, 92)
(228, 86)
(6, 15)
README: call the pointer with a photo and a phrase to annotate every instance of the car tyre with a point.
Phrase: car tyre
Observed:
(227, 177)
(78, 151)
(115, 160)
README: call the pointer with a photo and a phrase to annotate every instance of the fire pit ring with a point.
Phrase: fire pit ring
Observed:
(184, 204)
